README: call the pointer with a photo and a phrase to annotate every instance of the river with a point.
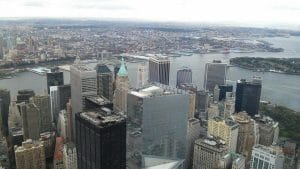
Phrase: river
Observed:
(280, 89)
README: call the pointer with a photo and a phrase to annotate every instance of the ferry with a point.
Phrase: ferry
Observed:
(41, 70)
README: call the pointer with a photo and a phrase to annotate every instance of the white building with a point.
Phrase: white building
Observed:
(264, 157)
(70, 156)
(83, 80)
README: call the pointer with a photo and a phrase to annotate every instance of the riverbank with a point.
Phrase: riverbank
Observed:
(276, 65)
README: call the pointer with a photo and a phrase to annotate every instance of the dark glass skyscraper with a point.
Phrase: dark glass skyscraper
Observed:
(248, 96)
(4, 110)
(100, 140)
(215, 74)
(104, 81)
(54, 79)
(159, 70)
(184, 76)
(223, 90)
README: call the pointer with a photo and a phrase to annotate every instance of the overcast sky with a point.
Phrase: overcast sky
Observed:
(239, 11)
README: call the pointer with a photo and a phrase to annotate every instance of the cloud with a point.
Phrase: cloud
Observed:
(34, 4)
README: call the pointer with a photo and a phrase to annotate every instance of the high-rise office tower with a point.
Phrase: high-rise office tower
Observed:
(43, 104)
(216, 94)
(248, 96)
(159, 70)
(122, 88)
(248, 135)
(59, 97)
(268, 130)
(31, 121)
(30, 155)
(224, 89)
(192, 135)
(208, 153)
(215, 74)
(142, 75)
(202, 102)
(104, 81)
(83, 80)
(68, 116)
(48, 141)
(58, 161)
(184, 76)
(157, 124)
(62, 125)
(226, 130)
(228, 106)
(70, 156)
(100, 140)
(4, 110)
(54, 79)
(267, 157)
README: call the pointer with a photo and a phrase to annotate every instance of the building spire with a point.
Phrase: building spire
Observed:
(123, 70)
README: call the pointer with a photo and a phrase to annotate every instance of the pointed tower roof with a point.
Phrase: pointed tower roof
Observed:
(123, 70)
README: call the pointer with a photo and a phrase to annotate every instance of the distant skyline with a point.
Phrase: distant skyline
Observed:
(245, 12)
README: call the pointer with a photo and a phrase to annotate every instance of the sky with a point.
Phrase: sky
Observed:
(212, 11)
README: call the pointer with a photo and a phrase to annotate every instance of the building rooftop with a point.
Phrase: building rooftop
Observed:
(98, 100)
(28, 144)
(154, 162)
(159, 58)
(229, 122)
(271, 149)
(83, 67)
(157, 89)
(102, 68)
(102, 117)
(212, 142)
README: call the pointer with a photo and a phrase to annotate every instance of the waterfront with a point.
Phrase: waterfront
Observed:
(280, 89)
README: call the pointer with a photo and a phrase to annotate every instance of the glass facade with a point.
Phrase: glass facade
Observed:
(156, 126)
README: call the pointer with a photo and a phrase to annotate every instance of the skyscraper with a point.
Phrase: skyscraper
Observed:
(248, 134)
(202, 102)
(141, 75)
(224, 89)
(54, 79)
(184, 75)
(157, 124)
(70, 156)
(215, 74)
(59, 97)
(268, 130)
(43, 105)
(192, 135)
(4, 110)
(30, 155)
(248, 96)
(104, 81)
(122, 87)
(159, 70)
(226, 130)
(267, 157)
(208, 153)
(100, 140)
(31, 121)
(83, 82)
(58, 161)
